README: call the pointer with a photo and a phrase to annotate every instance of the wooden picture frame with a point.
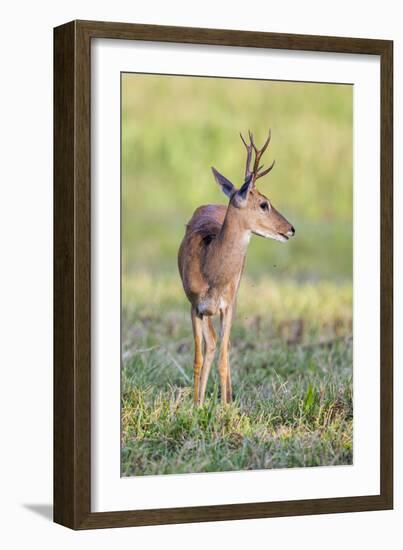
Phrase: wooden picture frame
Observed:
(72, 273)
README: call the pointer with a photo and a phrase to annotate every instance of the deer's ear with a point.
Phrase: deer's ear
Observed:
(225, 184)
(243, 193)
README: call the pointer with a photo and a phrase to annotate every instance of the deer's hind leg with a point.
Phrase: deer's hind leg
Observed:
(210, 340)
(197, 323)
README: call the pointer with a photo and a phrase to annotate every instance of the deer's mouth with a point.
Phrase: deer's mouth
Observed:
(275, 236)
(286, 236)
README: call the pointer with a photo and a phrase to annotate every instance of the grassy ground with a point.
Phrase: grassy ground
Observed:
(291, 351)
(292, 378)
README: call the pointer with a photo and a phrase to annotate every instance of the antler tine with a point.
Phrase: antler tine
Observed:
(248, 156)
(263, 149)
(259, 175)
(252, 142)
(258, 156)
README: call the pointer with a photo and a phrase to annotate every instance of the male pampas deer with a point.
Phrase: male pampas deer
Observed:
(211, 261)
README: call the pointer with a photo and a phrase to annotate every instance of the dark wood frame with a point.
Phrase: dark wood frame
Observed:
(72, 268)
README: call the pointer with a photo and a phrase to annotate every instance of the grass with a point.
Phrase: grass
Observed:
(291, 350)
(292, 378)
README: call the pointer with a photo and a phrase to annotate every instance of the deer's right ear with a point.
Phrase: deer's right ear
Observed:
(225, 184)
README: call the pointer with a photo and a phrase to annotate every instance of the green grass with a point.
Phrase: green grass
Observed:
(291, 352)
(292, 378)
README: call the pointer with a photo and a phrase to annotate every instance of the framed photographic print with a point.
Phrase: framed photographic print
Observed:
(222, 274)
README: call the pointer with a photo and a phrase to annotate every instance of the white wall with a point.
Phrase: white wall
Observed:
(26, 278)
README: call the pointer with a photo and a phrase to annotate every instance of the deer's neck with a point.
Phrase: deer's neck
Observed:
(227, 255)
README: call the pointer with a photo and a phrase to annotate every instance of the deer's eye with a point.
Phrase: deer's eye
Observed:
(264, 206)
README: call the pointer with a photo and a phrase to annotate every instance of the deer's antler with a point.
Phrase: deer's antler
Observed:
(256, 172)
(248, 156)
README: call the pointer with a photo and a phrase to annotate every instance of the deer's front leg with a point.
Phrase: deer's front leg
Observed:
(229, 383)
(197, 323)
(223, 365)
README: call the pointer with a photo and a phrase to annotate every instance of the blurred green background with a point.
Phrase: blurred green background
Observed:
(291, 347)
(175, 128)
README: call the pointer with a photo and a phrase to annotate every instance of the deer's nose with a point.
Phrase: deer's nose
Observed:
(291, 231)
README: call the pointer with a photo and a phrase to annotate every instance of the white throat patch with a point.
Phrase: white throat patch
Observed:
(246, 238)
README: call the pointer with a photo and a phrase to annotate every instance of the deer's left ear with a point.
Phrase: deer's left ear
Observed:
(243, 193)
(225, 184)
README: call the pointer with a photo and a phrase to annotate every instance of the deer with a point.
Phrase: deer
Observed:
(211, 261)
